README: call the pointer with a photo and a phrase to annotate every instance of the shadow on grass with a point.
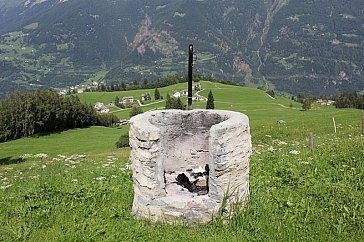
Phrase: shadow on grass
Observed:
(10, 160)
(48, 133)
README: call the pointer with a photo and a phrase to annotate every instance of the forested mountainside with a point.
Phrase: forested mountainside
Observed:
(309, 46)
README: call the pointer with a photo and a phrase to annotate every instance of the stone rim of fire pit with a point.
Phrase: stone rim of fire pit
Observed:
(156, 160)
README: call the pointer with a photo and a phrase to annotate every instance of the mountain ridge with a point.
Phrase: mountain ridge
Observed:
(289, 45)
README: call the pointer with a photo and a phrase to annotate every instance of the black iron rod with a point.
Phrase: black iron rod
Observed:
(190, 69)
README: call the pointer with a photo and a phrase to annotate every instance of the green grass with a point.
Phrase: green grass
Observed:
(296, 194)
(93, 140)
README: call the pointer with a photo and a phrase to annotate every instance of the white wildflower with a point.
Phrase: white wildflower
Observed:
(26, 156)
(100, 178)
(40, 156)
(294, 152)
(271, 149)
(6, 186)
(75, 157)
(279, 142)
(74, 180)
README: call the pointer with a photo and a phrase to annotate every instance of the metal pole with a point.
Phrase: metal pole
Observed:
(190, 66)
(310, 138)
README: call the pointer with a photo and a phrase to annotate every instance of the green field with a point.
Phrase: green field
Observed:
(48, 193)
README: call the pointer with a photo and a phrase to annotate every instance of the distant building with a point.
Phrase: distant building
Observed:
(325, 102)
(176, 94)
(105, 110)
(146, 97)
(184, 92)
(197, 87)
(63, 92)
(99, 106)
(198, 98)
(129, 99)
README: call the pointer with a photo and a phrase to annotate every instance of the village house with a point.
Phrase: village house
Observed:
(62, 92)
(197, 87)
(176, 94)
(129, 99)
(105, 110)
(198, 98)
(184, 93)
(325, 102)
(146, 97)
(80, 90)
(99, 106)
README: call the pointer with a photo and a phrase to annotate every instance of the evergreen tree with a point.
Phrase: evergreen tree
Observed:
(169, 102)
(117, 101)
(179, 104)
(123, 86)
(210, 101)
(157, 95)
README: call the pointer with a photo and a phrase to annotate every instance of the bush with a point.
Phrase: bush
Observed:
(123, 141)
(271, 93)
(135, 111)
(107, 119)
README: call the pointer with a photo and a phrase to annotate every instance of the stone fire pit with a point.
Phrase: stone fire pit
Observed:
(185, 162)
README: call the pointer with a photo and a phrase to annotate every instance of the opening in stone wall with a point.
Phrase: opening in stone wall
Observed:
(185, 149)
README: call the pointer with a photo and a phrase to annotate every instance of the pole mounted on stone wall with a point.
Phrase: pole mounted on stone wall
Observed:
(190, 67)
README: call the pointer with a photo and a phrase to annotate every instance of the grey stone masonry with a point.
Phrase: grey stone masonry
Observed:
(167, 143)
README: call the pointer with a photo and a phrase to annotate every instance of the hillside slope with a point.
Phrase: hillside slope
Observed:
(74, 185)
(294, 46)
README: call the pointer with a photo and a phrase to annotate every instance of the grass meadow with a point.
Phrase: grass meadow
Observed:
(74, 185)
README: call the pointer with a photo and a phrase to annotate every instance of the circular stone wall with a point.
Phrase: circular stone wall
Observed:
(169, 143)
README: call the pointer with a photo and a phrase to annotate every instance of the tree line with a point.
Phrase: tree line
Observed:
(161, 82)
(25, 114)
(344, 100)
(350, 100)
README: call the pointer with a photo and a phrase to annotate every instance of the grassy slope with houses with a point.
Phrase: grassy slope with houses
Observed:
(296, 193)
